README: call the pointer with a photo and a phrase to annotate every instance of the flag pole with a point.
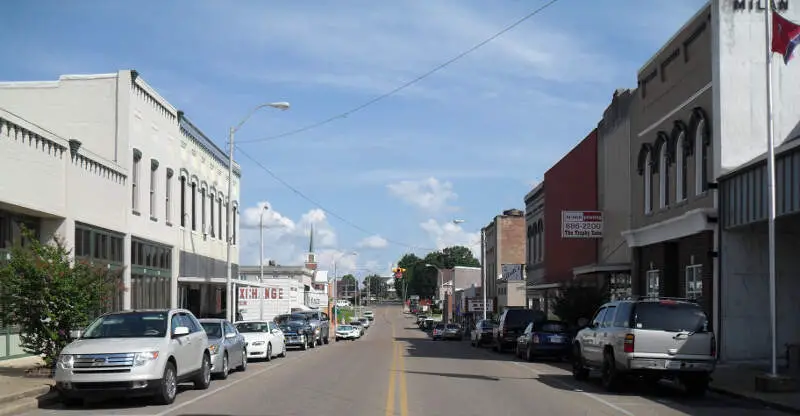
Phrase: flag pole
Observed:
(773, 319)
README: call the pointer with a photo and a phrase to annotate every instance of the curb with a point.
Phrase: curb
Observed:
(28, 400)
(766, 403)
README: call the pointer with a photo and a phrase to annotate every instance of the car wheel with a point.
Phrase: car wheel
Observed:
(269, 352)
(313, 343)
(243, 366)
(169, 385)
(203, 379)
(579, 371)
(283, 353)
(610, 375)
(528, 354)
(225, 367)
(326, 341)
(305, 345)
(696, 385)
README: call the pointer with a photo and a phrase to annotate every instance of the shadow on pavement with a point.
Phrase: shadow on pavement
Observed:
(468, 376)
(666, 393)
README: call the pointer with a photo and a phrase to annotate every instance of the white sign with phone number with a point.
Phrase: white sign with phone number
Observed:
(581, 224)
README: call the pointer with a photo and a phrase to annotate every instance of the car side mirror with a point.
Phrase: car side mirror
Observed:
(180, 331)
(230, 335)
(276, 331)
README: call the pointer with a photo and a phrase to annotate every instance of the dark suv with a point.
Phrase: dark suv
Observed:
(320, 322)
(512, 324)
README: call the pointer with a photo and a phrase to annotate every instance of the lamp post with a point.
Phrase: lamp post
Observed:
(231, 134)
(261, 232)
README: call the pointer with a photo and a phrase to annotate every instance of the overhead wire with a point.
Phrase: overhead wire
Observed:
(407, 84)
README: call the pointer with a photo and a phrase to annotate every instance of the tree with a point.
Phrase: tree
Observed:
(578, 301)
(347, 285)
(374, 284)
(48, 296)
(408, 262)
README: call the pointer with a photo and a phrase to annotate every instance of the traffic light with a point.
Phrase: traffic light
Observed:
(398, 272)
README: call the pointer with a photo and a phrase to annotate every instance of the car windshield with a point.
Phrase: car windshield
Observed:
(356, 323)
(213, 329)
(293, 318)
(363, 319)
(128, 325)
(346, 328)
(670, 316)
(245, 327)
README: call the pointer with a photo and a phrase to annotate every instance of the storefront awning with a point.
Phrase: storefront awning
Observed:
(601, 268)
(299, 307)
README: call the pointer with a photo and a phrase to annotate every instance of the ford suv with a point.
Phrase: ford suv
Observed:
(653, 338)
(135, 353)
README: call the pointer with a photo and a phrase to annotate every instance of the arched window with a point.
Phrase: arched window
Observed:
(700, 158)
(663, 177)
(681, 173)
(541, 240)
(648, 184)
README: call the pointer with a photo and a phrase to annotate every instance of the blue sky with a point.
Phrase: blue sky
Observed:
(465, 143)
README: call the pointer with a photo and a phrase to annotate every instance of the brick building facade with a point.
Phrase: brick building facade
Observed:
(505, 244)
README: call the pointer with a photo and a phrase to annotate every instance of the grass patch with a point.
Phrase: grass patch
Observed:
(345, 314)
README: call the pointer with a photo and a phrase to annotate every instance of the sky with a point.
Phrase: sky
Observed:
(464, 143)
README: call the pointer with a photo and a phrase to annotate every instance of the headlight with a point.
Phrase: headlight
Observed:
(258, 343)
(213, 349)
(142, 358)
(66, 360)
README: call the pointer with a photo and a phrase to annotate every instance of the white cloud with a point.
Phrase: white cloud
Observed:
(428, 194)
(449, 234)
(373, 241)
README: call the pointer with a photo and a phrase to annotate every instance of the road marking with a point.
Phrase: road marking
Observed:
(403, 386)
(390, 392)
(174, 408)
(569, 386)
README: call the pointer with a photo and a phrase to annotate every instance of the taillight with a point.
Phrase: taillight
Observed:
(535, 339)
(713, 346)
(629, 342)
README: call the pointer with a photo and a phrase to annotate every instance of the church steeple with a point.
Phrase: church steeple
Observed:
(311, 260)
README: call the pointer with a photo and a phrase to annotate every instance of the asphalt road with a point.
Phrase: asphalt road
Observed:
(396, 370)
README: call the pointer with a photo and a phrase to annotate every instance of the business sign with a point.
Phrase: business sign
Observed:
(476, 305)
(759, 5)
(581, 224)
(512, 272)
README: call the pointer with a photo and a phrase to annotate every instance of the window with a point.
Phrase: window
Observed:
(653, 283)
(153, 184)
(203, 210)
(598, 318)
(680, 169)
(694, 281)
(151, 275)
(219, 217)
(211, 214)
(227, 222)
(663, 177)
(233, 226)
(648, 185)
(608, 319)
(670, 316)
(700, 159)
(183, 201)
(137, 159)
(103, 248)
(620, 286)
(168, 197)
(194, 206)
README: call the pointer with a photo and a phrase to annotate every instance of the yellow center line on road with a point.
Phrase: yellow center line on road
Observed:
(397, 367)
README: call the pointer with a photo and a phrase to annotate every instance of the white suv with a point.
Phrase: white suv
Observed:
(135, 353)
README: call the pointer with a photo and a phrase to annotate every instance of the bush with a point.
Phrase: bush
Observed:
(47, 296)
(576, 301)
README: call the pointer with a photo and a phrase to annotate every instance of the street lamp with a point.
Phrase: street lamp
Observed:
(483, 265)
(282, 105)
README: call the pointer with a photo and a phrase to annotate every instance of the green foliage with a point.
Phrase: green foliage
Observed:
(578, 301)
(374, 284)
(48, 297)
(423, 280)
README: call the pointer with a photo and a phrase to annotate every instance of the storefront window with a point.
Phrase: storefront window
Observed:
(151, 275)
(653, 283)
(694, 281)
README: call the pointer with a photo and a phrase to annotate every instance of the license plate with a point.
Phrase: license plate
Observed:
(557, 339)
(673, 365)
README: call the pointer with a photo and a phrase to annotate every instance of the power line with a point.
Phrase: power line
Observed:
(320, 206)
(407, 84)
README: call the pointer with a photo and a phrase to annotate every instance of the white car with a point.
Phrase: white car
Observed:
(264, 339)
(365, 321)
(347, 332)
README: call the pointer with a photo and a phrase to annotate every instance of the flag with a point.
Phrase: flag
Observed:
(785, 36)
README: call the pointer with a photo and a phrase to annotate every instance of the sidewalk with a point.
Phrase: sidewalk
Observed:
(738, 380)
(19, 392)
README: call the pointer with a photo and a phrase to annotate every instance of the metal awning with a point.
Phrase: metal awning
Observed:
(601, 268)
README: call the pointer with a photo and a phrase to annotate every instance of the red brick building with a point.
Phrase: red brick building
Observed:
(570, 185)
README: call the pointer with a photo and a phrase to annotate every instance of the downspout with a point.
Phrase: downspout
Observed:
(716, 307)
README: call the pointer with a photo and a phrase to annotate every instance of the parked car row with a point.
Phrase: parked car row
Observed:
(644, 338)
(355, 328)
(149, 352)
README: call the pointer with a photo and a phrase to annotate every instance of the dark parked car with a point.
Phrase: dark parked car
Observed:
(512, 324)
(482, 333)
(320, 322)
(298, 333)
(545, 338)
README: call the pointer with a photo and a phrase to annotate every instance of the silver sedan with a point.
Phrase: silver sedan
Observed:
(228, 347)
